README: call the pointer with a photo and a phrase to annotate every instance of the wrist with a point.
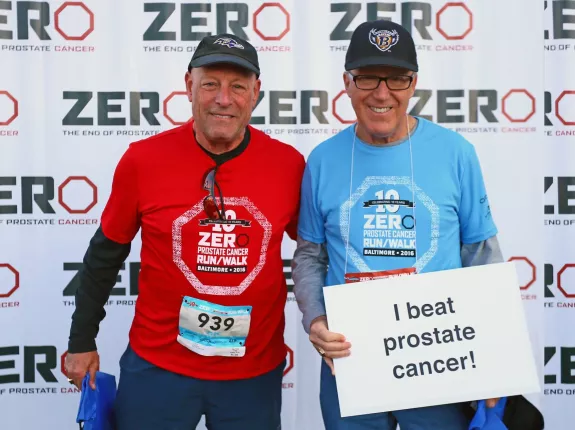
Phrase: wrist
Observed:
(76, 346)
(321, 318)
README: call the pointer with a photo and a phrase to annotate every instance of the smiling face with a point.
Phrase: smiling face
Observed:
(380, 112)
(223, 98)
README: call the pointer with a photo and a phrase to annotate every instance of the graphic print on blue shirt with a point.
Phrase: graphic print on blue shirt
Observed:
(396, 220)
(388, 230)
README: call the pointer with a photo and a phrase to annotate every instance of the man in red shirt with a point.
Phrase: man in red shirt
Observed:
(213, 199)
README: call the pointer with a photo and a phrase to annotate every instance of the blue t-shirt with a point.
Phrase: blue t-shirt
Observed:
(399, 217)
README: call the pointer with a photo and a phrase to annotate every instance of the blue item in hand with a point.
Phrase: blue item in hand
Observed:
(489, 418)
(96, 411)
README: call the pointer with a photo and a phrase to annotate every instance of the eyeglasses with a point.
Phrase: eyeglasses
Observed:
(211, 207)
(394, 83)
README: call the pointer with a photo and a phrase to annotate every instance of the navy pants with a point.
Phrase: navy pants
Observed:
(150, 398)
(444, 417)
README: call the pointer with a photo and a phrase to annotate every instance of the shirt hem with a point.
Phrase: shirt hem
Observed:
(480, 237)
(215, 376)
(310, 238)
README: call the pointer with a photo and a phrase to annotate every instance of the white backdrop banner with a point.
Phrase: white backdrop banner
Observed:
(81, 80)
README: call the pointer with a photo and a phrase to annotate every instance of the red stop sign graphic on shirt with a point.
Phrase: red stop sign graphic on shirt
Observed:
(221, 257)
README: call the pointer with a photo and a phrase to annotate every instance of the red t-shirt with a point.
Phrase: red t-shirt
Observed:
(158, 187)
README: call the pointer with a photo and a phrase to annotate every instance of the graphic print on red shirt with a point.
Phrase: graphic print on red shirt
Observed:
(228, 257)
(158, 188)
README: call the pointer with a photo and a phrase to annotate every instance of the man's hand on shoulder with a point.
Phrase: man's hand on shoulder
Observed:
(77, 365)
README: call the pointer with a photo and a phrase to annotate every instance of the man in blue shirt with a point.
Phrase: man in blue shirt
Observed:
(391, 192)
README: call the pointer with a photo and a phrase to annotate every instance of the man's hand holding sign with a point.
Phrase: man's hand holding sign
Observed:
(434, 338)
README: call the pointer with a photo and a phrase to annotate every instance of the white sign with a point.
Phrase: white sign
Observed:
(433, 338)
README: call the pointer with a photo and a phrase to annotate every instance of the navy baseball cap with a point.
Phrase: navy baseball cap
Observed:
(225, 48)
(381, 43)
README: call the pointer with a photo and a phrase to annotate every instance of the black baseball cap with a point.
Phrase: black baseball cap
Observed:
(381, 43)
(225, 48)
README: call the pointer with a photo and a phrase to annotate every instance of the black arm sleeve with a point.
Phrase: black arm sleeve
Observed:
(101, 265)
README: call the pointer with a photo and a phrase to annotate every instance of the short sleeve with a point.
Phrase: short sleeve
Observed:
(475, 215)
(311, 223)
(291, 228)
(121, 216)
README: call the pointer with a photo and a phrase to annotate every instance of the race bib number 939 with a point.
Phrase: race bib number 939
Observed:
(213, 330)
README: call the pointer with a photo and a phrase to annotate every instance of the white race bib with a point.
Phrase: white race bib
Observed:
(210, 329)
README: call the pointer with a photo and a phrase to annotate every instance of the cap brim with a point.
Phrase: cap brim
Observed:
(379, 61)
(224, 59)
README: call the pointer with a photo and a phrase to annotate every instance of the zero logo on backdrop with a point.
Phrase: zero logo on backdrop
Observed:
(33, 25)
